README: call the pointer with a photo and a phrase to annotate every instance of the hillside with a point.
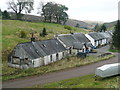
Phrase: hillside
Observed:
(93, 22)
(111, 24)
(26, 17)
(72, 22)
(12, 28)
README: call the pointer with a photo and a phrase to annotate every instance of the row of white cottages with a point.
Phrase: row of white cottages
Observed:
(39, 53)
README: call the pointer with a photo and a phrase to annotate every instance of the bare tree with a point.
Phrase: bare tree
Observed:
(18, 6)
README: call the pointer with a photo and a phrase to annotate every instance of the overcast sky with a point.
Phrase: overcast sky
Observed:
(93, 10)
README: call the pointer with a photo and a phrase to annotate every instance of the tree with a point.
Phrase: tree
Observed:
(116, 36)
(19, 6)
(0, 14)
(47, 11)
(103, 28)
(5, 15)
(43, 32)
(97, 28)
(77, 25)
(60, 14)
(54, 12)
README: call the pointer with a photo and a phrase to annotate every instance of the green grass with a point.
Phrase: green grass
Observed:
(12, 28)
(13, 73)
(83, 82)
(111, 28)
(115, 51)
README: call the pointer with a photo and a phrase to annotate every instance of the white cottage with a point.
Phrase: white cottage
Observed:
(70, 43)
(96, 39)
(107, 36)
(36, 54)
(84, 40)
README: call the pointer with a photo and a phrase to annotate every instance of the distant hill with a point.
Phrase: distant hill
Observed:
(111, 24)
(27, 17)
(93, 22)
(72, 22)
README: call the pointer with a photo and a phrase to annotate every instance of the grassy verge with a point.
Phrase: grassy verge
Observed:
(13, 73)
(113, 50)
(83, 82)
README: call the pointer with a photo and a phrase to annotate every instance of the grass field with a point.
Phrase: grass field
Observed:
(12, 28)
(84, 82)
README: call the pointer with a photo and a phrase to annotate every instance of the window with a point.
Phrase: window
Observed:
(43, 45)
(63, 54)
(57, 56)
(16, 60)
(95, 43)
(51, 58)
(26, 61)
(56, 43)
(70, 51)
(83, 50)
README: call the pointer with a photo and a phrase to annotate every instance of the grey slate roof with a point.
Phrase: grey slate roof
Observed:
(111, 32)
(96, 36)
(89, 44)
(81, 37)
(105, 34)
(51, 46)
(38, 49)
(78, 45)
(67, 39)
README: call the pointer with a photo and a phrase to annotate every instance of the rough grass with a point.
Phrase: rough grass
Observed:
(83, 82)
(12, 28)
(12, 73)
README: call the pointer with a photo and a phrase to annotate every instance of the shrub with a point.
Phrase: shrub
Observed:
(23, 34)
(67, 27)
(44, 32)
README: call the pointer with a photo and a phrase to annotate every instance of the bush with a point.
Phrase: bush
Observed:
(67, 27)
(23, 34)
(44, 32)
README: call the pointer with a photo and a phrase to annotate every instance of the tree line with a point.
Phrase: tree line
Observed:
(100, 28)
(51, 12)
(116, 37)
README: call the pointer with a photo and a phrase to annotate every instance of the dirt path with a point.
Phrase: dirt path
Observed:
(56, 76)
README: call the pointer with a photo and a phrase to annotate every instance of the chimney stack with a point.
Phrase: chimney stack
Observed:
(32, 38)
